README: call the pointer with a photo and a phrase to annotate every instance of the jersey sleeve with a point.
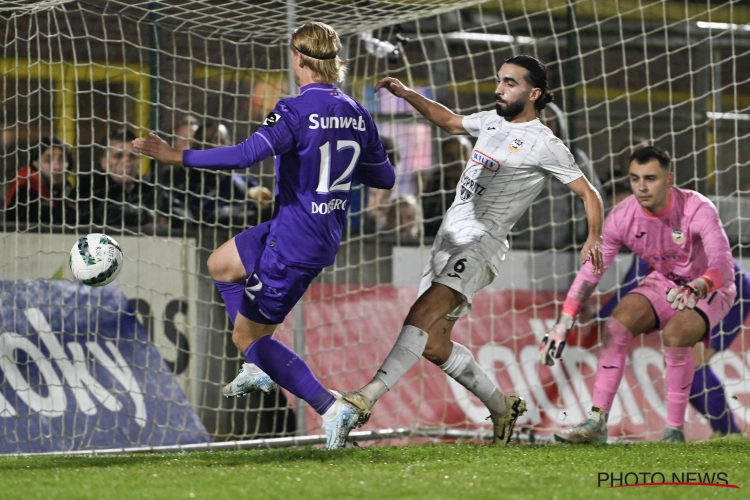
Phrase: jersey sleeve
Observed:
(375, 169)
(556, 158)
(474, 123)
(715, 244)
(280, 128)
(585, 281)
(276, 136)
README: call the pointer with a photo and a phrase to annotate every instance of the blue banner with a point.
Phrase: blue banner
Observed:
(77, 371)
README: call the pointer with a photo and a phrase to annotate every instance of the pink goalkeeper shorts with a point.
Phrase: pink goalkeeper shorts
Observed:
(715, 306)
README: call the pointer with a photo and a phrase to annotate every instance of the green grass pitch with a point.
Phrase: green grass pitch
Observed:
(435, 472)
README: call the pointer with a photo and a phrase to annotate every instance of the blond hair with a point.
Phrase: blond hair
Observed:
(318, 44)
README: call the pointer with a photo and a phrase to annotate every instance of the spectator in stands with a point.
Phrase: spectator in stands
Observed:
(119, 195)
(403, 218)
(42, 190)
(223, 196)
(379, 200)
(184, 132)
(441, 185)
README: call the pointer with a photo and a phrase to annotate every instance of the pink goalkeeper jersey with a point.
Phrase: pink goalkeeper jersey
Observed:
(683, 242)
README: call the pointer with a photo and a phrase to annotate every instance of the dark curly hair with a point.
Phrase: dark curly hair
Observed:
(536, 77)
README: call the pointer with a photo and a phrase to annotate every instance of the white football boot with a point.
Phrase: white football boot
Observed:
(247, 382)
(338, 428)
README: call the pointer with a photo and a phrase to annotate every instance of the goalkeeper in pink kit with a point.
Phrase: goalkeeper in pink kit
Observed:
(688, 290)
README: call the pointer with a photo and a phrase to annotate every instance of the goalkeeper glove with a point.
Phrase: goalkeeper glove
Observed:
(687, 295)
(554, 341)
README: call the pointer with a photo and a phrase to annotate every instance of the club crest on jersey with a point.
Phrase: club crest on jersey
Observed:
(271, 119)
(678, 236)
(515, 146)
(487, 162)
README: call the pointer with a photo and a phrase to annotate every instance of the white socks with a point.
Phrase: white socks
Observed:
(405, 353)
(460, 366)
(251, 368)
(464, 369)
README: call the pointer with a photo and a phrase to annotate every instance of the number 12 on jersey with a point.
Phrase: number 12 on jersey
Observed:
(324, 181)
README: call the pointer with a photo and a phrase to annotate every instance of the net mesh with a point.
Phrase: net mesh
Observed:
(205, 74)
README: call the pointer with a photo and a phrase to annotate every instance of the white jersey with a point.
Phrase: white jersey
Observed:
(508, 168)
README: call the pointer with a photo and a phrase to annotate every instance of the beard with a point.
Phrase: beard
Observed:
(512, 109)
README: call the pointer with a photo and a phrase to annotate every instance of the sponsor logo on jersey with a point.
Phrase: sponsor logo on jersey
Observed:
(271, 119)
(678, 236)
(515, 146)
(486, 161)
(317, 121)
(669, 257)
(327, 208)
(469, 187)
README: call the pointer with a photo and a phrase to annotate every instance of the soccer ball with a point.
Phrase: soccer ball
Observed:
(96, 259)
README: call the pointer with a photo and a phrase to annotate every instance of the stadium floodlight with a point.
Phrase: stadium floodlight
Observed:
(489, 37)
(712, 115)
(723, 26)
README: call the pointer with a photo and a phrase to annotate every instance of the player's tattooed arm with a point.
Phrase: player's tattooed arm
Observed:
(433, 111)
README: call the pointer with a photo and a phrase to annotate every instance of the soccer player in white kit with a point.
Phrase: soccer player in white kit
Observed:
(689, 287)
(514, 157)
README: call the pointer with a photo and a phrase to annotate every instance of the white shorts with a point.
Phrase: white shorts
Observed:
(460, 268)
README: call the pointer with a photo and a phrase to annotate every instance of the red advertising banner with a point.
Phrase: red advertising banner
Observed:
(350, 330)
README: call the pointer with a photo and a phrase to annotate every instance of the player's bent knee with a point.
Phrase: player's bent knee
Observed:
(215, 266)
(432, 306)
(223, 266)
(673, 337)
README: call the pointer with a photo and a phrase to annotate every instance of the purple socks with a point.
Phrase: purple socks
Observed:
(707, 396)
(231, 293)
(290, 371)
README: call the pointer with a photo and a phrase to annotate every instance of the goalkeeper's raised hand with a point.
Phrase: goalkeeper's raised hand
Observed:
(555, 340)
(156, 147)
(686, 296)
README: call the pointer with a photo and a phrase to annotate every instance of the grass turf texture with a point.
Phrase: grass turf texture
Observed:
(434, 472)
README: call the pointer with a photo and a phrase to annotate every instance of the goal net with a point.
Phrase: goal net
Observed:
(140, 363)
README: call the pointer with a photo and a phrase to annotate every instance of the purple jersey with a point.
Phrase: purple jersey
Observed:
(321, 140)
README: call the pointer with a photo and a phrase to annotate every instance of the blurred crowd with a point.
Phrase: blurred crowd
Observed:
(122, 190)
(116, 191)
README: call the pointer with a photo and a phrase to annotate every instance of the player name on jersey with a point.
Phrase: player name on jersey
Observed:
(317, 121)
(324, 208)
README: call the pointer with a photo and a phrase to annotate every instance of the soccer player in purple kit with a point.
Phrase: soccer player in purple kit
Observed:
(321, 140)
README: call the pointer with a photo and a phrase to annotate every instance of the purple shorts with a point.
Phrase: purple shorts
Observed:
(714, 307)
(273, 287)
(725, 332)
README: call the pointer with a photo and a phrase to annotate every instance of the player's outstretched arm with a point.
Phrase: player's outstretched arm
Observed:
(157, 148)
(433, 111)
(592, 202)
